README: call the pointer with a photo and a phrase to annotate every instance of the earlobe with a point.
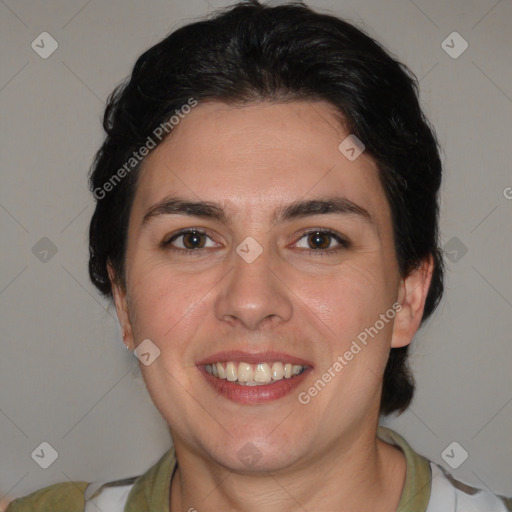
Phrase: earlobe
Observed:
(121, 303)
(412, 294)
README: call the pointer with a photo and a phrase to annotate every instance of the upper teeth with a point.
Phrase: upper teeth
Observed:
(253, 375)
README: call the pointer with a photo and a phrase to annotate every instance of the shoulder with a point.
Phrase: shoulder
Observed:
(62, 497)
(451, 495)
(430, 488)
(149, 491)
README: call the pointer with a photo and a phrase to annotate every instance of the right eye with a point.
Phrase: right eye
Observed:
(190, 240)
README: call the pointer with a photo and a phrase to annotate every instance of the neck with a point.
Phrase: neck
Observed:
(365, 474)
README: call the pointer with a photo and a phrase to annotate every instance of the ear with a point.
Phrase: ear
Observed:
(412, 294)
(121, 303)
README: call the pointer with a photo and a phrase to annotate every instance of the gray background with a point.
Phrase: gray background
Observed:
(65, 376)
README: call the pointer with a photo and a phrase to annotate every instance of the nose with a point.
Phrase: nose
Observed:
(253, 296)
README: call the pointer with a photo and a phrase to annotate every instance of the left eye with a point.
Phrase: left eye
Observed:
(320, 240)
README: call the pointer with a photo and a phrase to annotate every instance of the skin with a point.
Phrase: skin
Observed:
(305, 301)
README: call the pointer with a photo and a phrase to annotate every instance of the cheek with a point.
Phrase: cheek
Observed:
(350, 304)
(168, 308)
(353, 296)
(166, 305)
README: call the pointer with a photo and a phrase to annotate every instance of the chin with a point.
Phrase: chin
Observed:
(245, 453)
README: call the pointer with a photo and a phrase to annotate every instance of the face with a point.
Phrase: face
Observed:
(254, 242)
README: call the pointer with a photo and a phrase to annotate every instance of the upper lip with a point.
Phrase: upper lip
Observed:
(253, 357)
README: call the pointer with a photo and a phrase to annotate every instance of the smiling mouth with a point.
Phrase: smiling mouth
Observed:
(245, 374)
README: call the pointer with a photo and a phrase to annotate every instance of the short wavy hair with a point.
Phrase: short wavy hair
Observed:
(250, 53)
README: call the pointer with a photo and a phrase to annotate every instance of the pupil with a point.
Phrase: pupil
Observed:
(319, 240)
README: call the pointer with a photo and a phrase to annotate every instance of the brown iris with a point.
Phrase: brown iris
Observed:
(319, 240)
(193, 240)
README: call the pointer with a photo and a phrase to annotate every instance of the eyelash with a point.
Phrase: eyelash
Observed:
(343, 243)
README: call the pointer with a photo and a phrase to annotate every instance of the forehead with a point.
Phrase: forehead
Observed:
(258, 156)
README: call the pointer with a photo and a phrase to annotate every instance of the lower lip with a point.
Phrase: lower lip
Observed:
(254, 394)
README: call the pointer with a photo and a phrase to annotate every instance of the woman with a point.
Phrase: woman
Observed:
(267, 225)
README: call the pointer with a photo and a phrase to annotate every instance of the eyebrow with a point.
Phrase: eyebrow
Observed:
(295, 210)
